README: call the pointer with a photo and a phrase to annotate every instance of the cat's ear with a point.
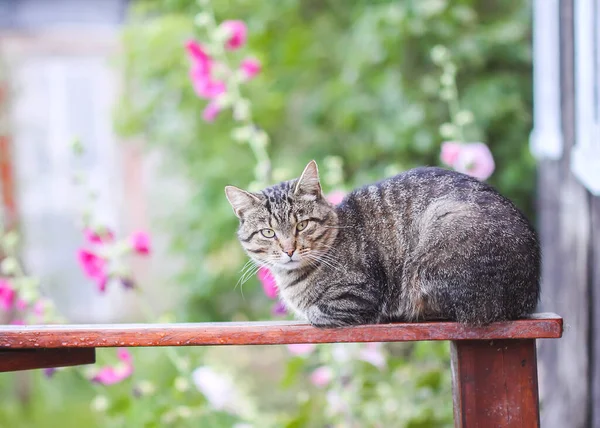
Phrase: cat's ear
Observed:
(240, 200)
(308, 185)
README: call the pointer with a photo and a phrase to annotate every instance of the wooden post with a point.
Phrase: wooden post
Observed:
(495, 384)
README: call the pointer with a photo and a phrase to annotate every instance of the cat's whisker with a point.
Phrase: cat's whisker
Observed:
(324, 261)
(333, 264)
(247, 275)
(247, 267)
(248, 263)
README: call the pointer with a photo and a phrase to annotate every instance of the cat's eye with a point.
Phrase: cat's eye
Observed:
(268, 233)
(302, 225)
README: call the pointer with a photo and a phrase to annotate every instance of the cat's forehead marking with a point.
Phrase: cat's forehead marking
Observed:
(279, 202)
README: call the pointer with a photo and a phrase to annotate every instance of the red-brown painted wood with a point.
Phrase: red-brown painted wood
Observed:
(264, 333)
(495, 384)
(27, 359)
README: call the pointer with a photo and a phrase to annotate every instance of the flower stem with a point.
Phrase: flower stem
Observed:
(258, 147)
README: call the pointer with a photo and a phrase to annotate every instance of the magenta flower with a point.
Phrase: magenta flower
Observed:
(18, 322)
(20, 304)
(98, 237)
(336, 197)
(250, 67)
(203, 82)
(211, 111)
(92, 264)
(321, 376)
(474, 159)
(268, 282)
(200, 59)
(140, 242)
(101, 283)
(7, 295)
(301, 348)
(109, 375)
(94, 267)
(205, 86)
(237, 34)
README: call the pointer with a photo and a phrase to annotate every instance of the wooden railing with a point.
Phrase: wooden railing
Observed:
(494, 368)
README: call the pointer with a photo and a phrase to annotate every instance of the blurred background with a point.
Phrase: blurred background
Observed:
(102, 124)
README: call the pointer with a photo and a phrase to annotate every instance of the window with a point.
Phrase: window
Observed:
(585, 157)
(546, 138)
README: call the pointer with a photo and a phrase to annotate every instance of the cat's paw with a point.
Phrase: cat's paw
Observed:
(319, 320)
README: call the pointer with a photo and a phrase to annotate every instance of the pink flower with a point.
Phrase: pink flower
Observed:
(101, 282)
(211, 111)
(237, 34)
(140, 242)
(92, 264)
(474, 159)
(124, 355)
(109, 375)
(98, 237)
(336, 197)
(268, 282)
(450, 152)
(20, 304)
(371, 353)
(200, 59)
(7, 295)
(250, 67)
(203, 82)
(205, 86)
(18, 322)
(321, 376)
(301, 348)
(39, 308)
(94, 267)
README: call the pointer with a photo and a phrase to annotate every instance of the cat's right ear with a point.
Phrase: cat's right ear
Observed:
(308, 185)
(240, 200)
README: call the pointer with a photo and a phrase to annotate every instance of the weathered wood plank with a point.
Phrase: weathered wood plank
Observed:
(564, 225)
(265, 333)
(27, 359)
(595, 305)
(495, 384)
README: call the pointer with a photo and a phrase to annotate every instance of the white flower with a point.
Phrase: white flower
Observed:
(100, 403)
(217, 388)
(371, 353)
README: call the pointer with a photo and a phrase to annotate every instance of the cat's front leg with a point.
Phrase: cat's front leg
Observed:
(346, 309)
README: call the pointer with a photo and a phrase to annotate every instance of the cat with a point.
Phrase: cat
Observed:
(427, 244)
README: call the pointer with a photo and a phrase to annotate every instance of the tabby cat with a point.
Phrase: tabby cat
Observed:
(427, 244)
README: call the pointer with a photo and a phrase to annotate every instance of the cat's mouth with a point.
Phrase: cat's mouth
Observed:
(290, 264)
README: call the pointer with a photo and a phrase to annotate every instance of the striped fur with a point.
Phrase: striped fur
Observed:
(426, 244)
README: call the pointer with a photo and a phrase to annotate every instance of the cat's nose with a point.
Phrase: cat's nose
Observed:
(290, 253)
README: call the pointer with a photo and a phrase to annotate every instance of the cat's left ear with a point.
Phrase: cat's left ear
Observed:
(308, 185)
